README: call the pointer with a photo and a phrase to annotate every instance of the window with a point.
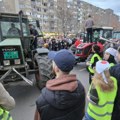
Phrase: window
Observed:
(45, 10)
(45, 22)
(52, 16)
(45, 4)
(45, 17)
(38, 9)
(52, 28)
(13, 28)
(52, 22)
(51, 4)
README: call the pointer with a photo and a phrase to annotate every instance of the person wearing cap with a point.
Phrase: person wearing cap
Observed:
(63, 98)
(101, 94)
(110, 55)
(115, 72)
(94, 57)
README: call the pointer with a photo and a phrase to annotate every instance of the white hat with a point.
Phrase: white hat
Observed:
(111, 51)
(101, 66)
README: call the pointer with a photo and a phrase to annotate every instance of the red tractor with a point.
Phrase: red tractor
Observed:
(83, 50)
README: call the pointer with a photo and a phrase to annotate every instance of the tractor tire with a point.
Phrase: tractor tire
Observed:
(73, 49)
(44, 70)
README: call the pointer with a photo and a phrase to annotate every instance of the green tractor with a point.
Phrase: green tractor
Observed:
(18, 59)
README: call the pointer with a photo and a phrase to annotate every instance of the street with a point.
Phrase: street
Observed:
(26, 96)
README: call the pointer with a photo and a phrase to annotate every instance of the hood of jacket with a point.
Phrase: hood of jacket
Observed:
(66, 82)
(63, 92)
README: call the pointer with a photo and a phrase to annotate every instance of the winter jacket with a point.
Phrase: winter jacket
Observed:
(115, 72)
(62, 99)
(7, 102)
(89, 23)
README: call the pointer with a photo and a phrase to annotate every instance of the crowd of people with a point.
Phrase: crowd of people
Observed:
(55, 44)
(64, 97)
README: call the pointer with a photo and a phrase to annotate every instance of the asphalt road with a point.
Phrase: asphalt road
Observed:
(25, 95)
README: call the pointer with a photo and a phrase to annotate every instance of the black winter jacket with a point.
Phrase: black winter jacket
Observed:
(62, 105)
(115, 72)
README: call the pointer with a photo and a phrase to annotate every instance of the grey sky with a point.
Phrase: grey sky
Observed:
(112, 4)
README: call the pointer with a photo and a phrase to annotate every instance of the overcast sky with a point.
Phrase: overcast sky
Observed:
(112, 4)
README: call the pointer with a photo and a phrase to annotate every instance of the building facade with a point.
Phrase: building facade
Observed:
(61, 16)
(101, 17)
(10, 6)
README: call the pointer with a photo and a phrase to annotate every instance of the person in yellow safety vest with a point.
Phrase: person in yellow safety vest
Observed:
(110, 55)
(7, 103)
(5, 115)
(94, 58)
(102, 93)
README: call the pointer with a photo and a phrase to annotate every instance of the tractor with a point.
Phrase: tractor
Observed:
(18, 60)
(114, 41)
(83, 50)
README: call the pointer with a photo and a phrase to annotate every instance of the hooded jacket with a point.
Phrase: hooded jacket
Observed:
(62, 99)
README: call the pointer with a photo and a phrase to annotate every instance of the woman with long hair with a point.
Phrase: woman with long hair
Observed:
(101, 94)
(95, 56)
(110, 55)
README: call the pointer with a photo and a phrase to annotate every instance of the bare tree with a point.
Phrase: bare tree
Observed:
(65, 16)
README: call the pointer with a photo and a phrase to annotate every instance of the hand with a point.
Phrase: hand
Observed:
(88, 97)
(88, 63)
(37, 115)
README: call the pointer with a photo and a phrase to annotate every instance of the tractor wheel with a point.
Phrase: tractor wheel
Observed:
(44, 70)
(73, 49)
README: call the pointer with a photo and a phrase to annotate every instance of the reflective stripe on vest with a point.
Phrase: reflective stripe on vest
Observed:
(104, 109)
(112, 64)
(91, 70)
(5, 115)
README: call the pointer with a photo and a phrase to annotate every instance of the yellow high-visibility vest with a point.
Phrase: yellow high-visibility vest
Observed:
(112, 64)
(5, 115)
(91, 70)
(103, 110)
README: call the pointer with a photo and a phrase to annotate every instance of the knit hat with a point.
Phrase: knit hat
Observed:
(111, 51)
(101, 66)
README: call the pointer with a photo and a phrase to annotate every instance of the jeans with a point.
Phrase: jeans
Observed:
(87, 117)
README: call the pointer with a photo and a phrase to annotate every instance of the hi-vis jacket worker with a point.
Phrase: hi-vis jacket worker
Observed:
(94, 58)
(110, 55)
(7, 103)
(102, 93)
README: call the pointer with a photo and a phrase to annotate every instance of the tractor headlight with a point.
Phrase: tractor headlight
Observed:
(17, 61)
(6, 62)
